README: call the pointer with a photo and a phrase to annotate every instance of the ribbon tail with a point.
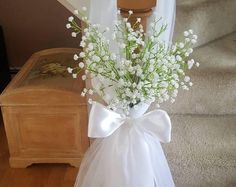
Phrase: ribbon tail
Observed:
(158, 124)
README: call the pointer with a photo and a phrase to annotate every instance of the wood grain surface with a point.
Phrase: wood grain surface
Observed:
(37, 175)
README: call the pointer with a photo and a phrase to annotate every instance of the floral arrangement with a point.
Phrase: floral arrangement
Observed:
(144, 69)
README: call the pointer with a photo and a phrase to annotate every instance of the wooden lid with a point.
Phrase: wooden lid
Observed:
(44, 80)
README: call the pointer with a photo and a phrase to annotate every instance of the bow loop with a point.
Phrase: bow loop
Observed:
(104, 122)
(158, 124)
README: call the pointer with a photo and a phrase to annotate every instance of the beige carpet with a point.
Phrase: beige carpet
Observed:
(203, 148)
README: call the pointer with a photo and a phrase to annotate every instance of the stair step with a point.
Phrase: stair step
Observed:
(214, 89)
(210, 19)
(203, 150)
(218, 56)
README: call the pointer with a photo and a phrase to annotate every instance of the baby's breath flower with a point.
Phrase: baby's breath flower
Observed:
(84, 18)
(83, 94)
(187, 39)
(82, 43)
(185, 87)
(172, 100)
(193, 41)
(76, 12)
(74, 75)
(70, 70)
(186, 33)
(76, 57)
(105, 58)
(90, 91)
(178, 58)
(84, 8)
(190, 63)
(85, 90)
(181, 45)
(96, 58)
(186, 78)
(128, 25)
(130, 12)
(195, 37)
(90, 101)
(90, 46)
(190, 50)
(83, 77)
(71, 18)
(74, 34)
(81, 65)
(82, 54)
(68, 25)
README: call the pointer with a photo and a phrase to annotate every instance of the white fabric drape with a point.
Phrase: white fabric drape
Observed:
(129, 157)
(104, 12)
(165, 9)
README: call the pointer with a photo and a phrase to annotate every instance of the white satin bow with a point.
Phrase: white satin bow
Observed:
(103, 122)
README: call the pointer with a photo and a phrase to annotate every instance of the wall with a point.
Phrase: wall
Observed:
(33, 25)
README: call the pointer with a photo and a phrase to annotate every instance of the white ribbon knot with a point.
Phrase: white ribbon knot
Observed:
(104, 122)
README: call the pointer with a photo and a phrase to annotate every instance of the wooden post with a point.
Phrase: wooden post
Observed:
(142, 9)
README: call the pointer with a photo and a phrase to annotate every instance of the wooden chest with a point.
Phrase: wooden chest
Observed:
(44, 115)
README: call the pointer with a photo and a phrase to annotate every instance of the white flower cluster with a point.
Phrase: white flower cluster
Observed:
(145, 70)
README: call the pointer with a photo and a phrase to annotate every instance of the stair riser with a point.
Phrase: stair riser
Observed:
(212, 93)
(209, 20)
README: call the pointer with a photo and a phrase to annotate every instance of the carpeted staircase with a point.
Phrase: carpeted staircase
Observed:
(203, 148)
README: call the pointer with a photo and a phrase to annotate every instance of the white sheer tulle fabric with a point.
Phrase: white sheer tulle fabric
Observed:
(131, 156)
(127, 151)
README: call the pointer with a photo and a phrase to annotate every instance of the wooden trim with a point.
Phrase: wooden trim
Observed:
(136, 5)
(142, 9)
